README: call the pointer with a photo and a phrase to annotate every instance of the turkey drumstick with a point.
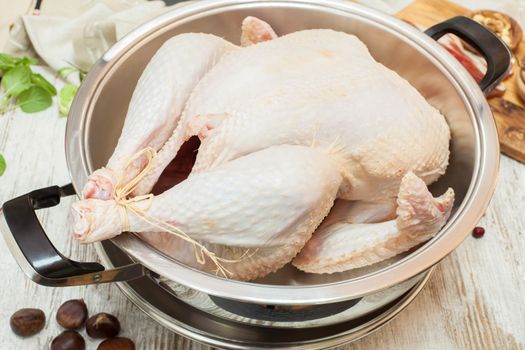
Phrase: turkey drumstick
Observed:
(274, 198)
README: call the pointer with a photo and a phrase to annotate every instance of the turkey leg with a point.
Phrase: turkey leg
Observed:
(342, 246)
(272, 199)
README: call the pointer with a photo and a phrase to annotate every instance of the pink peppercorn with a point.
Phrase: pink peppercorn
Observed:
(478, 232)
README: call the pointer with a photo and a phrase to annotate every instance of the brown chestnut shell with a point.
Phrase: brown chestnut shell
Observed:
(102, 325)
(72, 314)
(68, 340)
(27, 322)
(118, 343)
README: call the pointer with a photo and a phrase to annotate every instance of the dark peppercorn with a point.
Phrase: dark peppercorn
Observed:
(478, 232)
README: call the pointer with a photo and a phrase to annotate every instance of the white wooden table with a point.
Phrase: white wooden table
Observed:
(475, 299)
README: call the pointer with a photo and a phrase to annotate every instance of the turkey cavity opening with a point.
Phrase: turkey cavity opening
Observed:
(180, 167)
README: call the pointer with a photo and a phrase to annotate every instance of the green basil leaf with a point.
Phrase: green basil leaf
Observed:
(3, 165)
(27, 61)
(35, 99)
(6, 62)
(65, 98)
(39, 80)
(16, 80)
(66, 71)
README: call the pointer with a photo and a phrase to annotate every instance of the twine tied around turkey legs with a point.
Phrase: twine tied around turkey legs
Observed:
(125, 204)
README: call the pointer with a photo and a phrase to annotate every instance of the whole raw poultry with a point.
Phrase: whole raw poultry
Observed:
(287, 126)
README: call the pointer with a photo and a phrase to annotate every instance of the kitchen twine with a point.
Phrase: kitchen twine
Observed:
(121, 193)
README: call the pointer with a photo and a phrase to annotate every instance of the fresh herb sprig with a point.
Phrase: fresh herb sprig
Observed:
(31, 91)
(3, 165)
(68, 92)
(22, 87)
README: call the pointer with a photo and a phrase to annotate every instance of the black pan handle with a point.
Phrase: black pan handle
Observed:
(495, 52)
(35, 253)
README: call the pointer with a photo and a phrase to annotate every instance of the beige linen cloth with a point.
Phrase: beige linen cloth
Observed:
(70, 32)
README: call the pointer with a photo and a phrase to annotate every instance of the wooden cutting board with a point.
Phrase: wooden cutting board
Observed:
(509, 111)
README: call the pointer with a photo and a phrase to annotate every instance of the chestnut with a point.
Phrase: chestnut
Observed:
(72, 314)
(68, 340)
(27, 322)
(118, 343)
(102, 325)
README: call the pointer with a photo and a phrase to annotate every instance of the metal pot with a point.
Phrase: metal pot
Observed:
(274, 311)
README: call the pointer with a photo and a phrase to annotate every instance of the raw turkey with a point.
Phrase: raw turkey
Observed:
(288, 125)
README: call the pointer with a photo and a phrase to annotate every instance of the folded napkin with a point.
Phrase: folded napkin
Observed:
(78, 38)
(72, 33)
(11, 25)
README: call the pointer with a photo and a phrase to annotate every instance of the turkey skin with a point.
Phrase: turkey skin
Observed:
(288, 126)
